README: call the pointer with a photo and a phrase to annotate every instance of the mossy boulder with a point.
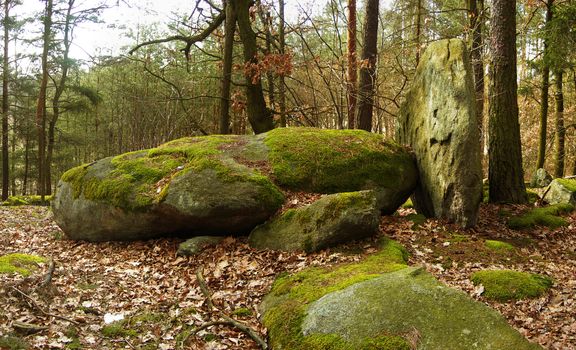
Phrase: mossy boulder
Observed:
(333, 219)
(438, 121)
(504, 285)
(343, 307)
(541, 178)
(561, 191)
(224, 184)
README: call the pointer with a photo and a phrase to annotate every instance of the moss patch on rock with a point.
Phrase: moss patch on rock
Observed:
(23, 264)
(329, 161)
(546, 216)
(285, 307)
(504, 285)
(569, 184)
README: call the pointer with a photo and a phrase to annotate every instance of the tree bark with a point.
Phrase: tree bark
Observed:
(352, 64)
(560, 130)
(505, 173)
(259, 115)
(368, 66)
(282, 86)
(475, 8)
(418, 30)
(544, 95)
(5, 74)
(41, 106)
(229, 30)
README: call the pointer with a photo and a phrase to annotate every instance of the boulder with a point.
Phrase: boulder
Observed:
(541, 178)
(380, 299)
(225, 184)
(561, 191)
(197, 244)
(438, 121)
(331, 220)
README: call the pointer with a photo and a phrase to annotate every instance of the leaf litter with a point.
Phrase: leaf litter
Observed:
(141, 295)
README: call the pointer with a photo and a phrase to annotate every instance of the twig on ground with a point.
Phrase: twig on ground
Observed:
(39, 308)
(226, 320)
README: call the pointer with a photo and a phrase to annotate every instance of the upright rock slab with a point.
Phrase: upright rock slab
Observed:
(561, 191)
(438, 120)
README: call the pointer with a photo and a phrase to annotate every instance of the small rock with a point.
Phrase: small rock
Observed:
(196, 245)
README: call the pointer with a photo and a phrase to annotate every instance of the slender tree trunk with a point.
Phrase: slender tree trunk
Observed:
(229, 30)
(574, 164)
(352, 64)
(282, 86)
(13, 187)
(26, 164)
(5, 73)
(267, 21)
(418, 23)
(476, 7)
(505, 155)
(368, 66)
(41, 106)
(544, 96)
(259, 115)
(560, 130)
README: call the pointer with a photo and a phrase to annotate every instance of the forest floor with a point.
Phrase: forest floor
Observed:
(155, 297)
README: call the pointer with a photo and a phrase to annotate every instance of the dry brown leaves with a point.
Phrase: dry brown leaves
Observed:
(120, 279)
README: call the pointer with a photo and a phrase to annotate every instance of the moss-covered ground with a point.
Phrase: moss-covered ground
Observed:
(22, 264)
(504, 285)
(546, 216)
(283, 318)
(26, 200)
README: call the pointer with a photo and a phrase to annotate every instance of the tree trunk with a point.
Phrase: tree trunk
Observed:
(352, 64)
(26, 163)
(505, 155)
(41, 106)
(544, 96)
(229, 30)
(368, 66)
(281, 86)
(560, 130)
(259, 115)
(477, 57)
(5, 73)
(418, 30)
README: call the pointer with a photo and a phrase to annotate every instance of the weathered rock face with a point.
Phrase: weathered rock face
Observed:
(541, 178)
(561, 191)
(222, 184)
(439, 122)
(331, 220)
(398, 302)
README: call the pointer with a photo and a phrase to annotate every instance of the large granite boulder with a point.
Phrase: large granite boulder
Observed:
(331, 220)
(438, 120)
(380, 303)
(541, 178)
(219, 185)
(561, 191)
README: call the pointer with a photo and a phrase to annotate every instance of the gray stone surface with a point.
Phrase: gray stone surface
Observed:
(438, 120)
(561, 191)
(541, 178)
(333, 219)
(196, 245)
(411, 300)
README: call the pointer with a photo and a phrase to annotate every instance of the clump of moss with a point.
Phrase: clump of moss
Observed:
(242, 312)
(546, 216)
(283, 320)
(19, 263)
(504, 285)
(26, 200)
(118, 329)
(498, 245)
(408, 204)
(335, 342)
(569, 184)
(11, 342)
(329, 161)
(417, 220)
(137, 180)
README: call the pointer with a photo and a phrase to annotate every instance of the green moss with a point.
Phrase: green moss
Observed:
(504, 285)
(417, 220)
(329, 161)
(546, 216)
(118, 329)
(242, 312)
(19, 263)
(458, 238)
(72, 333)
(137, 180)
(498, 245)
(300, 289)
(570, 184)
(11, 342)
(385, 342)
(533, 197)
(408, 204)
